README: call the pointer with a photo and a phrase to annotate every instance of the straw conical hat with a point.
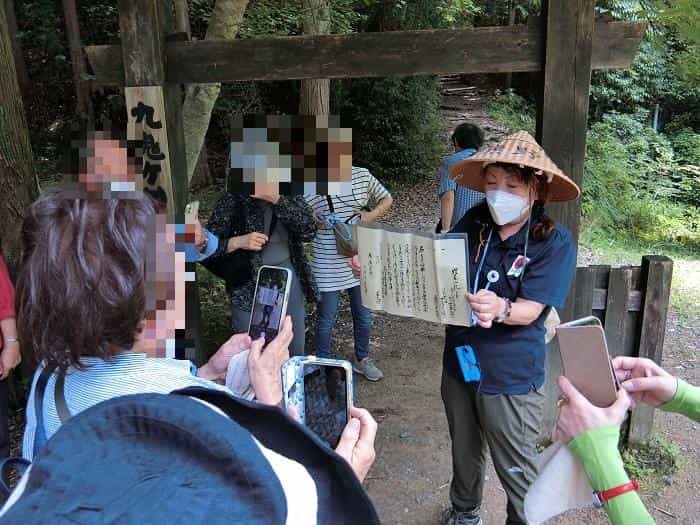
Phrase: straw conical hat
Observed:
(521, 149)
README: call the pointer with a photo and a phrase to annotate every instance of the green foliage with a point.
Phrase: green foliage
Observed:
(380, 15)
(274, 18)
(652, 460)
(512, 110)
(396, 125)
(631, 188)
(686, 146)
(666, 67)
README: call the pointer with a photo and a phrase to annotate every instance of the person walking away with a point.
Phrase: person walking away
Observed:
(456, 200)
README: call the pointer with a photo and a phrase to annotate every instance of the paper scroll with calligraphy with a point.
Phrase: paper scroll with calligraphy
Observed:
(414, 274)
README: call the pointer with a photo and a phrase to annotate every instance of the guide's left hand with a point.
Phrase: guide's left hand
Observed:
(486, 306)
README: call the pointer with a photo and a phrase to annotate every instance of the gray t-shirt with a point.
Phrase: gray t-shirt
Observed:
(276, 250)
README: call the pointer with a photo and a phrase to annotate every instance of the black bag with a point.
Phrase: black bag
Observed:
(233, 268)
(155, 458)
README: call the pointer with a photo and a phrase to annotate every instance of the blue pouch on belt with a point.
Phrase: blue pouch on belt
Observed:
(468, 364)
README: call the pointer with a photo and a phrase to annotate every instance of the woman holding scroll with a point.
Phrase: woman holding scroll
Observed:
(522, 264)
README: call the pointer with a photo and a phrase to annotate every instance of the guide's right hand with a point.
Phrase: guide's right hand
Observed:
(252, 241)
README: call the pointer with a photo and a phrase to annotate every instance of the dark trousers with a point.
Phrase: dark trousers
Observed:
(508, 426)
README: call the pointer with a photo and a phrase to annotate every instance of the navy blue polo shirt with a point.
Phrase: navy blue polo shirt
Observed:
(511, 358)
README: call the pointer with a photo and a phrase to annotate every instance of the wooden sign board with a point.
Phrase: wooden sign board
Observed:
(146, 123)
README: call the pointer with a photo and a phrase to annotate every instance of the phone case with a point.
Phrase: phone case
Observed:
(287, 288)
(586, 361)
(293, 381)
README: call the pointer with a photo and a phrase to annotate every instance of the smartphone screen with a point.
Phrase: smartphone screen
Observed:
(268, 303)
(325, 401)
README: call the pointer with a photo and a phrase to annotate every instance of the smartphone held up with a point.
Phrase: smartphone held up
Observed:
(321, 392)
(270, 302)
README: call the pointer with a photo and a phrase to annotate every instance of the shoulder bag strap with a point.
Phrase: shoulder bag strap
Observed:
(330, 204)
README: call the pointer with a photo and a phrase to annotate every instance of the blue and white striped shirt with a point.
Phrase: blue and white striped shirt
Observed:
(122, 375)
(465, 199)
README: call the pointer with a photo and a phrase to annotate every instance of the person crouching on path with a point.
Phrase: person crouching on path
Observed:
(530, 260)
(332, 273)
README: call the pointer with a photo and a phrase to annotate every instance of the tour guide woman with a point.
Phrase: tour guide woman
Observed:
(493, 371)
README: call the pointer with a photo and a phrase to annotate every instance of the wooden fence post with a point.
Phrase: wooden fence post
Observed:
(657, 271)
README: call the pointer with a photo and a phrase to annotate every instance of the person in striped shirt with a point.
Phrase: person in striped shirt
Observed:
(332, 272)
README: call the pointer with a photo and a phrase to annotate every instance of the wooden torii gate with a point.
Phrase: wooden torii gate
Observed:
(562, 46)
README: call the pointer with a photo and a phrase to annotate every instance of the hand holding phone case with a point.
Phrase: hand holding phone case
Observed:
(585, 360)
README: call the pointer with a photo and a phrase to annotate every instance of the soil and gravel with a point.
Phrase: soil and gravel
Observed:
(409, 482)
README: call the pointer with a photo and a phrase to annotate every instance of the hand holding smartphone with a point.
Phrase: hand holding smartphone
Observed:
(321, 392)
(586, 361)
(269, 302)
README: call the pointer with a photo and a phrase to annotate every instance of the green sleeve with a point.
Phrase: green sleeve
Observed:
(597, 450)
(686, 401)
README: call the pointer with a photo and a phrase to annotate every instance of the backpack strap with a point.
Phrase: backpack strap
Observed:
(40, 438)
(59, 398)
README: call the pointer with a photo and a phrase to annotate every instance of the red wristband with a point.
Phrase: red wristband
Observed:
(602, 497)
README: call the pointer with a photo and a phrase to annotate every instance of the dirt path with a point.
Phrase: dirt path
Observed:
(410, 480)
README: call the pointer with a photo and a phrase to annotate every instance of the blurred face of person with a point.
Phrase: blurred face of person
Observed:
(107, 162)
(166, 284)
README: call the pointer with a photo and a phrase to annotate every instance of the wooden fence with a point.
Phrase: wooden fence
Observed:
(632, 303)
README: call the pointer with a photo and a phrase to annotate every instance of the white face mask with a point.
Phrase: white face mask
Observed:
(506, 207)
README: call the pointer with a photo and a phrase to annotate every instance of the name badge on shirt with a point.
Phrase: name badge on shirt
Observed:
(516, 269)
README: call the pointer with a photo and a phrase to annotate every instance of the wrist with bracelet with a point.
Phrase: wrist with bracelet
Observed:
(505, 313)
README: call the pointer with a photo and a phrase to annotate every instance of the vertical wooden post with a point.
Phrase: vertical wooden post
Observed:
(562, 123)
(616, 311)
(77, 59)
(657, 271)
(563, 112)
(155, 115)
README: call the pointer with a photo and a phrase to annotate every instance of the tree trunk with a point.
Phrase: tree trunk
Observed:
(17, 177)
(20, 64)
(314, 95)
(224, 22)
(82, 90)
